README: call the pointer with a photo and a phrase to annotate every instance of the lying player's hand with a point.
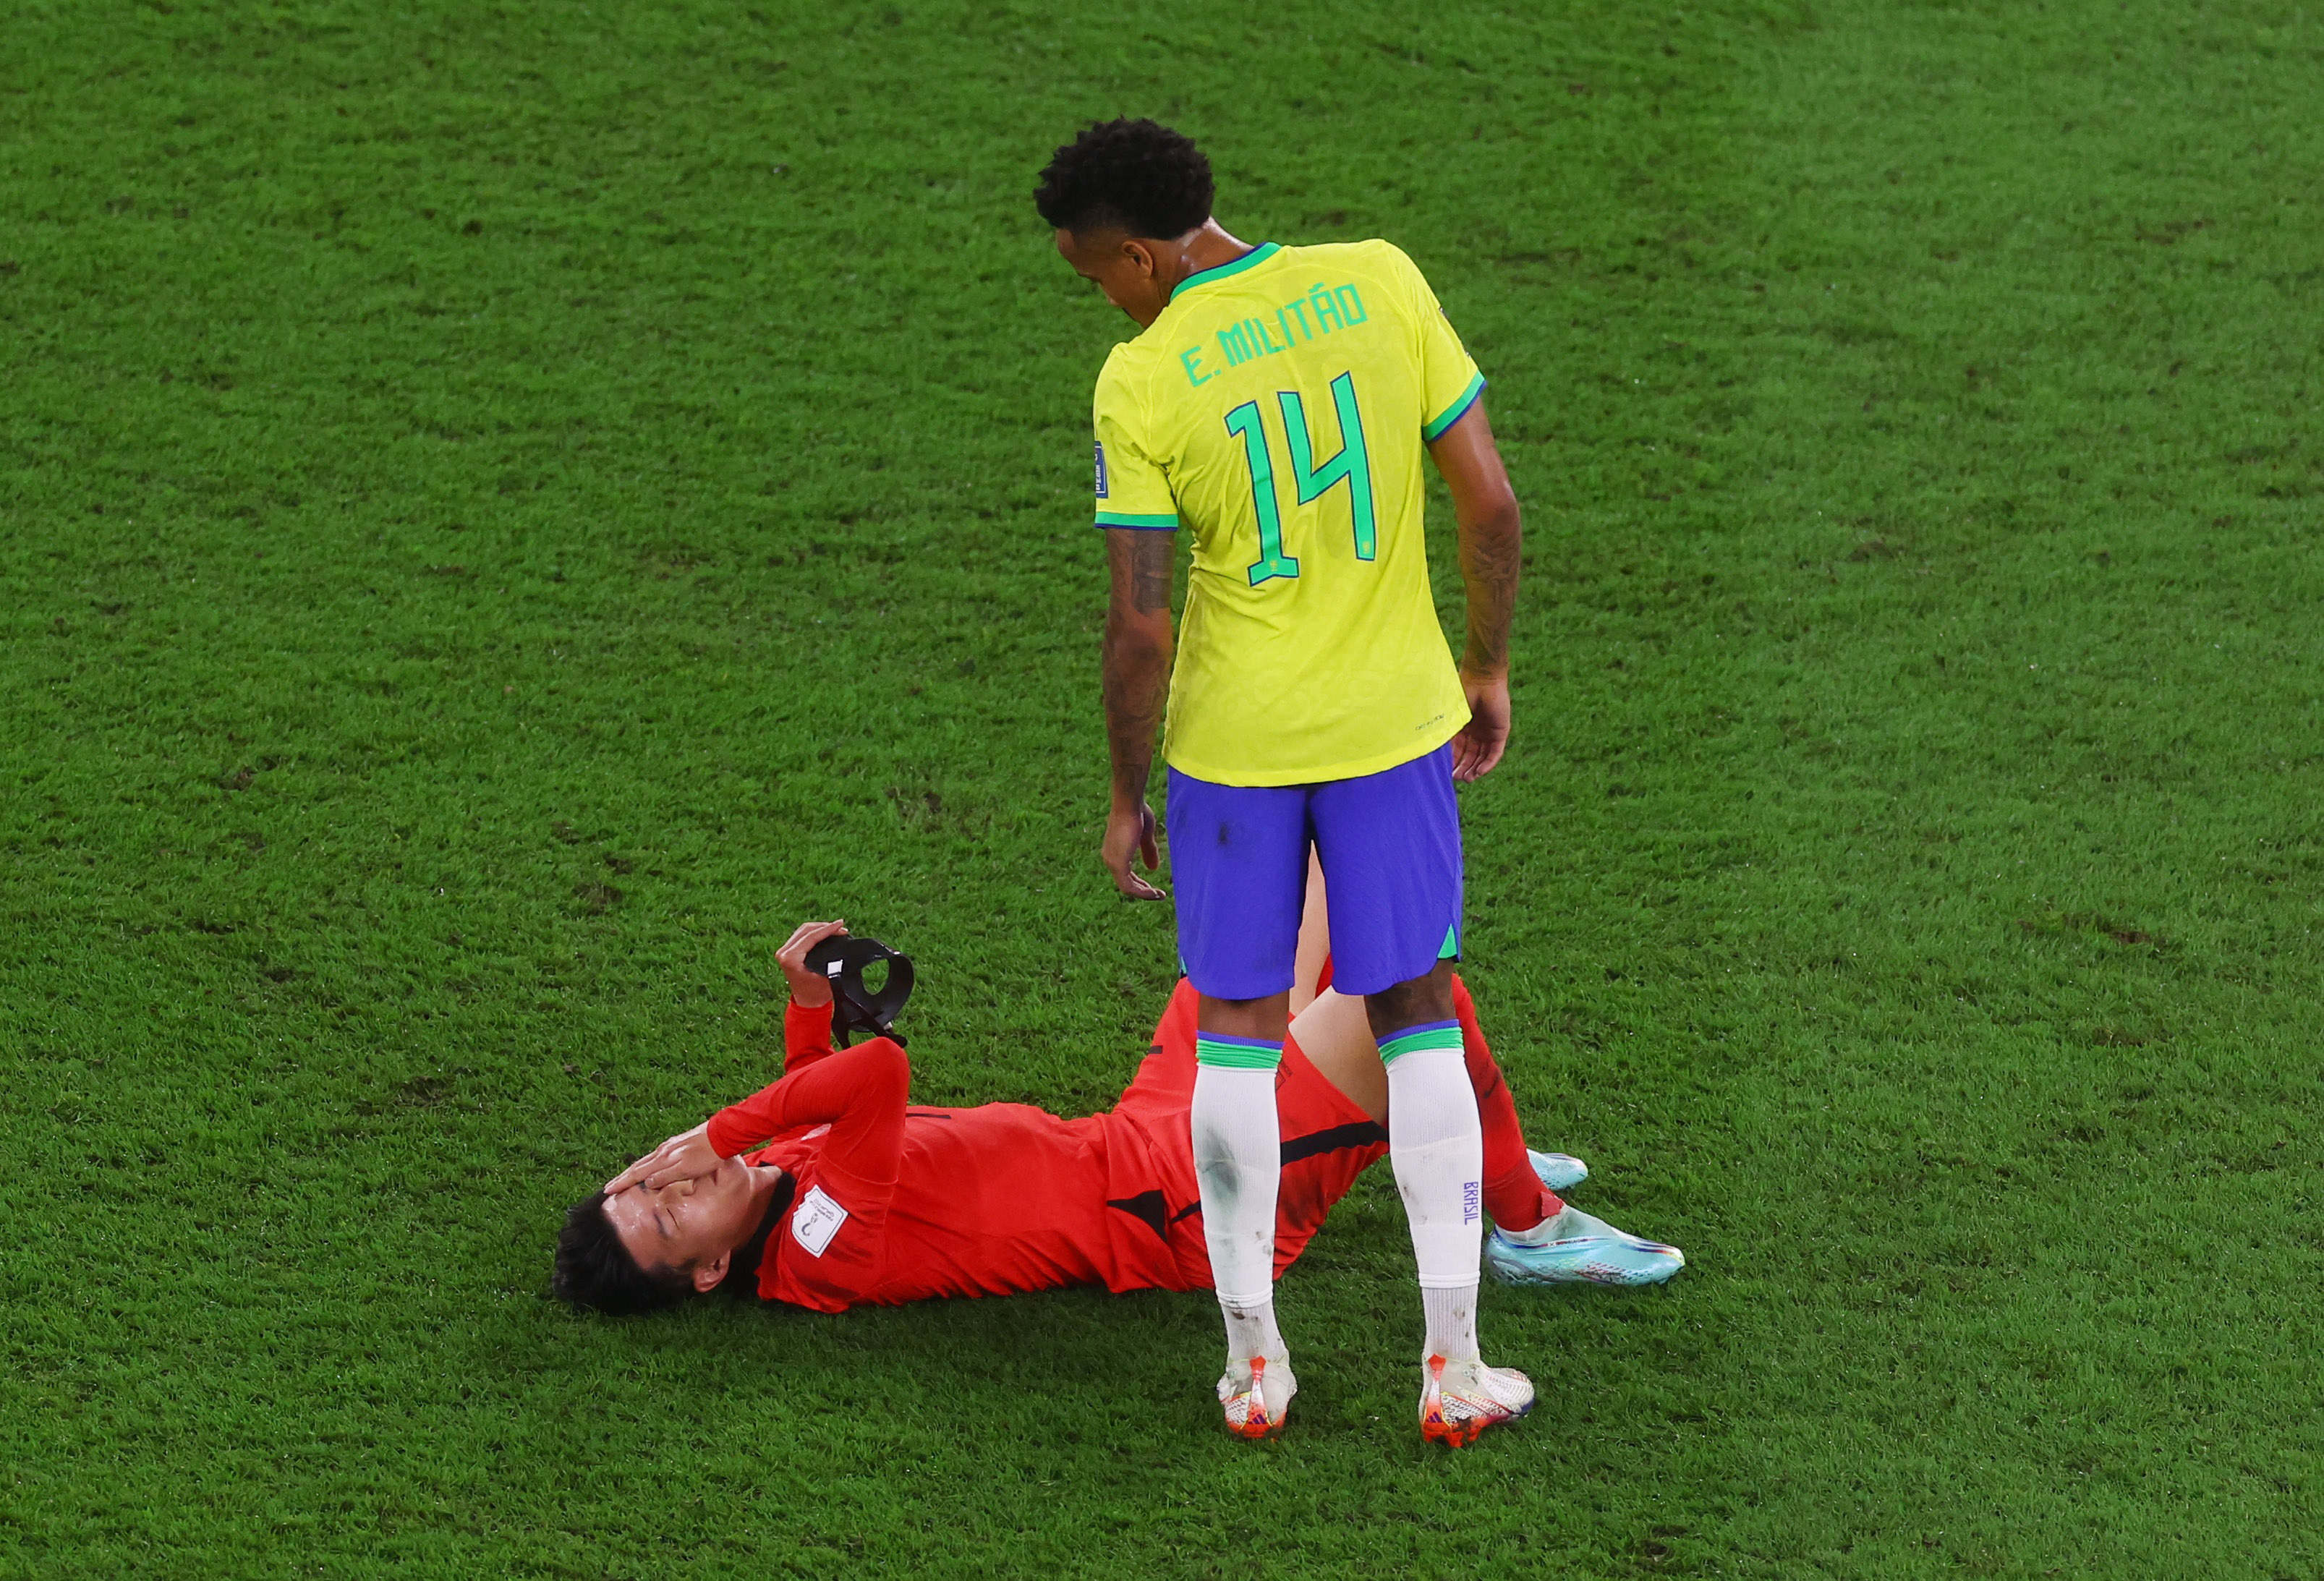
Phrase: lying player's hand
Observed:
(1131, 831)
(1485, 736)
(684, 1157)
(808, 988)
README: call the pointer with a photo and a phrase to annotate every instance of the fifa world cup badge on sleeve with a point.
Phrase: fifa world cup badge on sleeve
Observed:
(1100, 469)
(817, 1220)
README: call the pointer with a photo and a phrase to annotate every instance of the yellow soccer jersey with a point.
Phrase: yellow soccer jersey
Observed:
(1279, 409)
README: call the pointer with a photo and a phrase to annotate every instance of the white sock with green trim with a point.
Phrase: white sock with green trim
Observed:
(1438, 1150)
(1238, 1164)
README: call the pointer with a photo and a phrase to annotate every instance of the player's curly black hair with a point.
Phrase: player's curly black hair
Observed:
(1139, 175)
(593, 1269)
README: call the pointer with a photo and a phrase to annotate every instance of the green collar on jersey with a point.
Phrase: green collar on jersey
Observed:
(1256, 256)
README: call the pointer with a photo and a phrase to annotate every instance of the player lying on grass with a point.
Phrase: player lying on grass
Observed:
(830, 1188)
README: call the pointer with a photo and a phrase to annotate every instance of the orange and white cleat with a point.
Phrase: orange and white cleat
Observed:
(1258, 1397)
(1459, 1399)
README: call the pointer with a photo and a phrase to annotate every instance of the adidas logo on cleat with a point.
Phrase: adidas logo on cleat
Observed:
(1247, 1413)
(1455, 1412)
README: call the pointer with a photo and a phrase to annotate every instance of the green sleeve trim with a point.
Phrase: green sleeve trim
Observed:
(1455, 413)
(1167, 522)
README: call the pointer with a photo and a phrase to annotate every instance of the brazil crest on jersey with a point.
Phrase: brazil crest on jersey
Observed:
(1279, 409)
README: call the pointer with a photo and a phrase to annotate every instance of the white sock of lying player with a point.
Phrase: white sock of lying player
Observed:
(1438, 1150)
(1237, 1162)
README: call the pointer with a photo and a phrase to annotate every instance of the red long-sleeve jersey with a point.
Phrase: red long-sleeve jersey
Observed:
(896, 1202)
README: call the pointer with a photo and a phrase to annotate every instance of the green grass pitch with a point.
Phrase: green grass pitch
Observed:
(505, 508)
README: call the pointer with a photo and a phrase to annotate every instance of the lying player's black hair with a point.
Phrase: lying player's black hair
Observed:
(1138, 175)
(593, 1269)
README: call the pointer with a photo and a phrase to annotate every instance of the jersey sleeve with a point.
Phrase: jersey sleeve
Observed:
(1132, 489)
(806, 1035)
(833, 1238)
(1450, 382)
(858, 1092)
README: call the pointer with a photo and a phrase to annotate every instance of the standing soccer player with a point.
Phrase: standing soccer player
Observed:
(1275, 406)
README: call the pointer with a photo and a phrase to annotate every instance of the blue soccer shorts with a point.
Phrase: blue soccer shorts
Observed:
(1390, 848)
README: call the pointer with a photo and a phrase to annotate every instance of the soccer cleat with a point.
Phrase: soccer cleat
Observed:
(1571, 1247)
(1560, 1172)
(1459, 1399)
(1257, 1398)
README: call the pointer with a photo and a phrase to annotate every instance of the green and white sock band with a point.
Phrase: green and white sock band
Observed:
(1428, 1034)
(1247, 1053)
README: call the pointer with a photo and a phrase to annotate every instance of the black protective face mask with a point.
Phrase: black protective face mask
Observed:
(854, 1007)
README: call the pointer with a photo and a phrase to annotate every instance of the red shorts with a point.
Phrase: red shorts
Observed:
(1154, 1206)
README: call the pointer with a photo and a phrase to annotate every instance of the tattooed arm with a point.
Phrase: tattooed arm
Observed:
(1485, 509)
(1138, 644)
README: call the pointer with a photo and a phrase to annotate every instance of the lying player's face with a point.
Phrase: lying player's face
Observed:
(688, 1225)
(1123, 268)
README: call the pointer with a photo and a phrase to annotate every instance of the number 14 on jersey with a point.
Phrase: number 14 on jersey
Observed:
(1352, 467)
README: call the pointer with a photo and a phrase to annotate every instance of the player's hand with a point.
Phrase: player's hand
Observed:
(1130, 831)
(1485, 736)
(684, 1157)
(808, 988)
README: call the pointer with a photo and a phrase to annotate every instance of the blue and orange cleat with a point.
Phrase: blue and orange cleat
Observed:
(1459, 1399)
(1258, 1397)
(1560, 1172)
(1570, 1247)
